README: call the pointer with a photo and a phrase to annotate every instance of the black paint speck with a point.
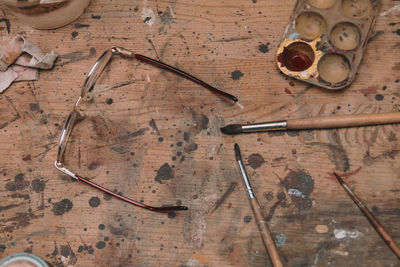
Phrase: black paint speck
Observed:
(94, 202)
(236, 75)
(100, 245)
(160, 139)
(398, 31)
(2, 248)
(79, 26)
(247, 219)
(109, 101)
(179, 144)
(263, 48)
(379, 97)
(164, 173)
(95, 17)
(384, 88)
(102, 227)
(65, 251)
(171, 214)
(74, 34)
(62, 207)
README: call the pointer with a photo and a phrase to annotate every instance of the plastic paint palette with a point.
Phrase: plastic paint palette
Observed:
(325, 39)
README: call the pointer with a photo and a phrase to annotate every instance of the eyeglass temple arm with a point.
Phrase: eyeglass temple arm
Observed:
(125, 52)
(64, 170)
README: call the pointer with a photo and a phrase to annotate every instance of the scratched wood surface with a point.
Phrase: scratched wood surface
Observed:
(155, 138)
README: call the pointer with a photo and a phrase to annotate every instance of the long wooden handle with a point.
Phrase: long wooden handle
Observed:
(265, 234)
(340, 121)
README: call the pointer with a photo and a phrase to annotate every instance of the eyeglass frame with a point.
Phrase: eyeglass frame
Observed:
(87, 95)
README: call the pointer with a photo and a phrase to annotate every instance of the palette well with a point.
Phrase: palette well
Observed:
(324, 40)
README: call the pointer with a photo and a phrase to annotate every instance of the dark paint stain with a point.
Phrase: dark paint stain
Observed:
(164, 173)
(247, 219)
(131, 135)
(65, 251)
(119, 231)
(17, 184)
(89, 249)
(304, 186)
(236, 75)
(171, 214)
(102, 227)
(2, 208)
(94, 202)
(153, 125)
(95, 16)
(119, 149)
(22, 219)
(109, 101)
(74, 34)
(255, 160)
(18, 195)
(166, 17)
(375, 36)
(2, 248)
(76, 56)
(38, 185)
(27, 157)
(7, 22)
(94, 165)
(33, 106)
(100, 245)
(191, 147)
(263, 48)
(79, 26)
(221, 200)
(379, 97)
(336, 154)
(62, 207)
(280, 202)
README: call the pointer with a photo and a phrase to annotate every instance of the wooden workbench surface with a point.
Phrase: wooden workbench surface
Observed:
(155, 137)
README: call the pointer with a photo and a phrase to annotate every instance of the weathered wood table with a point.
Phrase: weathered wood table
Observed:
(155, 137)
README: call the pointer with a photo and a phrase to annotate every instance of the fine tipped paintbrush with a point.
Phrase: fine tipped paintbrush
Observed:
(325, 122)
(371, 218)
(262, 224)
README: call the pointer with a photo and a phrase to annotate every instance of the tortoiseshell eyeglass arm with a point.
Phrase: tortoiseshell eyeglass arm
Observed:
(74, 176)
(122, 51)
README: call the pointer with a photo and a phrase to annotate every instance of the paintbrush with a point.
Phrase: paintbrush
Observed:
(262, 224)
(371, 218)
(324, 122)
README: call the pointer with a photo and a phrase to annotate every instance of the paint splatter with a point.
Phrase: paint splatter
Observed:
(342, 234)
(247, 219)
(18, 183)
(255, 160)
(299, 186)
(62, 207)
(263, 48)
(94, 202)
(38, 185)
(379, 97)
(100, 245)
(236, 75)
(164, 173)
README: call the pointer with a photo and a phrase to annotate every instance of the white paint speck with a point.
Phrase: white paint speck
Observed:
(294, 35)
(395, 9)
(148, 78)
(240, 105)
(148, 16)
(295, 192)
(342, 234)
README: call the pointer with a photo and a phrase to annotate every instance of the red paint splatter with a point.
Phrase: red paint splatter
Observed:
(287, 91)
(26, 158)
(345, 175)
(291, 83)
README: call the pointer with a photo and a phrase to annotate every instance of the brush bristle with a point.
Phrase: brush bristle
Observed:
(232, 129)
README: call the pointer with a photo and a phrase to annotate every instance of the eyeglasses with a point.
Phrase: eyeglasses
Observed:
(87, 95)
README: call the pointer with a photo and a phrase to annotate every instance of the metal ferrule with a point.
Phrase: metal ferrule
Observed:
(246, 180)
(59, 166)
(264, 126)
(117, 50)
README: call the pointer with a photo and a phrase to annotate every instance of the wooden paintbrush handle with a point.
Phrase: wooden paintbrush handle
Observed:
(339, 121)
(265, 234)
(382, 232)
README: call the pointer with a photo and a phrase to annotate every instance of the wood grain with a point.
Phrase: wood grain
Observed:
(156, 119)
